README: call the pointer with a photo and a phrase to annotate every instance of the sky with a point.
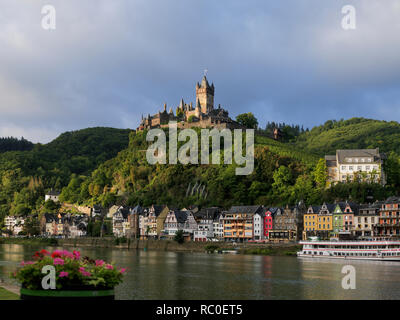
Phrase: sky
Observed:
(109, 62)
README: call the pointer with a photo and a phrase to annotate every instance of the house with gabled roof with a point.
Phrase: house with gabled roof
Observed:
(356, 165)
(288, 223)
(179, 220)
(205, 223)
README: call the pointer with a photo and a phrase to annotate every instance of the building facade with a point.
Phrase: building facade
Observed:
(389, 218)
(238, 223)
(356, 165)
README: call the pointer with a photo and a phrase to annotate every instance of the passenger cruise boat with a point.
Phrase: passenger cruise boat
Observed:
(365, 249)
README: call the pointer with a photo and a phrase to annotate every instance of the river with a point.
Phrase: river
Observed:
(175, 275)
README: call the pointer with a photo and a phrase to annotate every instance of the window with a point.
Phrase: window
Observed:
(351, 168)
(359, 168)
(343, 167)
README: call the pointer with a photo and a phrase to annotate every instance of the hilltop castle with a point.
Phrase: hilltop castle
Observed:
(204, 115)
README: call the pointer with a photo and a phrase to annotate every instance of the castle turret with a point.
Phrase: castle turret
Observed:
(205, 95)
(182, 105)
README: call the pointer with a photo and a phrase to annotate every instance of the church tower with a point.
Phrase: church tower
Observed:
(205, 95)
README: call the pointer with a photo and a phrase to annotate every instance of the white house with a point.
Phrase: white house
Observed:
(120, 222)
(179, 220)
(14, 224)
(52, 195)
(205, 226)
(219, 227)
(258, 223)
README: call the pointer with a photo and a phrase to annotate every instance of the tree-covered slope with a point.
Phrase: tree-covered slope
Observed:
(14, 144)
(25, 175)
(283, 174)
(355, 133)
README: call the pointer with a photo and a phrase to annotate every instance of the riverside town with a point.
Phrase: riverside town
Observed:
(199, 152)
(289, 201)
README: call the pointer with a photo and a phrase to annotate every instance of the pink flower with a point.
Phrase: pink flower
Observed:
(58, 261)
(109, 267)
(76, 254)
(67, 254)
(86, 274)
(81, 269)
(24, 263)
(99, 263)
(63, 274)
(123, 270)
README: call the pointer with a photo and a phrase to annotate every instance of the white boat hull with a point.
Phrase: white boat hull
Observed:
(307, 256)
(377, 250)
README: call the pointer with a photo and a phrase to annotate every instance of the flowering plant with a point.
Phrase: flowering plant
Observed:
(73, 272)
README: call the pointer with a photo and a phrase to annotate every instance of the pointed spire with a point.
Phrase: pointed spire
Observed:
(204, 82)
(165, 107)
(170, 111)
(182, 104)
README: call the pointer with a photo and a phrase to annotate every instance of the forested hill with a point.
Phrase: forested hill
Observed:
(14, 144)
(354, 133)
(108, 166)
(26, 175)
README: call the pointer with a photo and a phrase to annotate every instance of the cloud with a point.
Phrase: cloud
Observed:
(109, 62)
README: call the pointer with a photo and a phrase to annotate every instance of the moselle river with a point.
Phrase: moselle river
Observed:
(175, 275)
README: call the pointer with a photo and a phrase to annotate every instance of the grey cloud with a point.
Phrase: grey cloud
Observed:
(108, 62)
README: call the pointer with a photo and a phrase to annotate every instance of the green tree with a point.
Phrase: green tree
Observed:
(179, 237)
(31, 226)
(248, 120)
(321, 174)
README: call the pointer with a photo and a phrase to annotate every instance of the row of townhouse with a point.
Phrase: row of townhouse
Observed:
(258, 223)
(238, 224)
(50, 224)
(381, 218)
(64, 225)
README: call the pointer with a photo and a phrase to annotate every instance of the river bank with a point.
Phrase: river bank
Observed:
(273, 249)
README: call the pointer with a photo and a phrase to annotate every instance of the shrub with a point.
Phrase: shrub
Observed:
(72, 271)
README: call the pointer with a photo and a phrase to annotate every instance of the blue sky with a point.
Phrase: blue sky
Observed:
(109, 62)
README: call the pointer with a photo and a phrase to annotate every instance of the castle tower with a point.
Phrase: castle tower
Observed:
(205, 95)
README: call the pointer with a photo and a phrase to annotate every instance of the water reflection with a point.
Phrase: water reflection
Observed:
(172, 275)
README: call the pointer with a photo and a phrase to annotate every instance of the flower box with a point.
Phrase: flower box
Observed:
(27, 294)
(67, 275)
